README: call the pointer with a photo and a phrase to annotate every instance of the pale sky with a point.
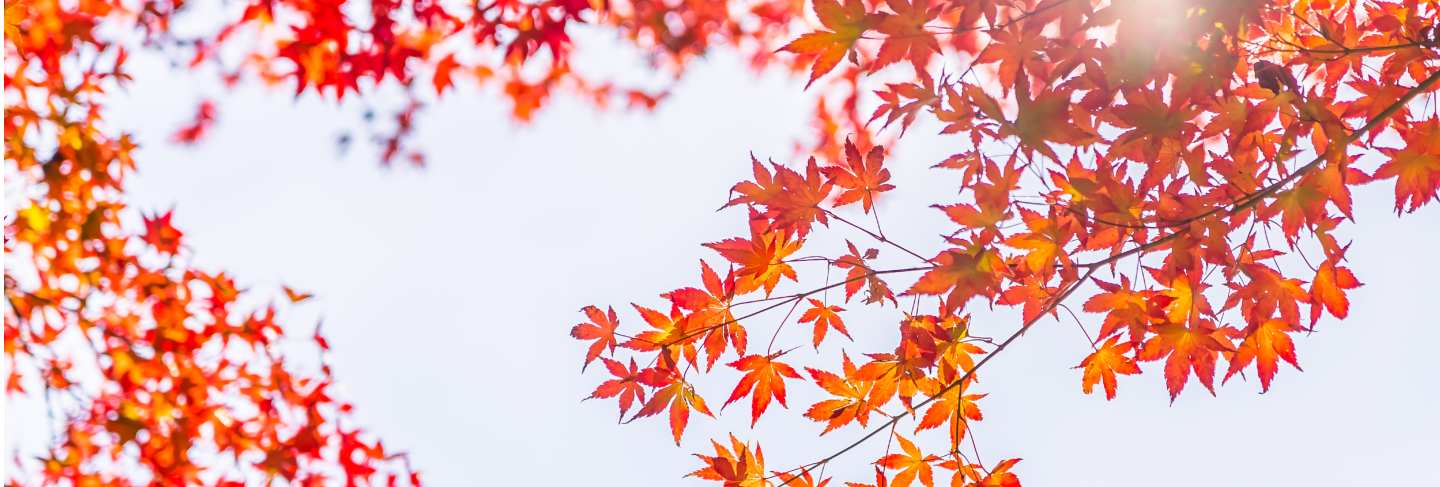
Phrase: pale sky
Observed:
(448, 294)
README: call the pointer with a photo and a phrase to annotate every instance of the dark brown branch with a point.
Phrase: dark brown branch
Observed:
(784, 301)
(880, 238)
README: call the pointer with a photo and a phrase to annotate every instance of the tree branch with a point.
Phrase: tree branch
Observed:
(1246, 202)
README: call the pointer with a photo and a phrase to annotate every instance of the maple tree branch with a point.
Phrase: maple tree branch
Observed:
(771, 346)
(880, 238)
(1343, 50)
(895, 418)
(783, 301)
(1246, 202)
(1254, 198)
(1349, 139)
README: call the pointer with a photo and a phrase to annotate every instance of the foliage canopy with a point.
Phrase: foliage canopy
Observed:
(1128, 157)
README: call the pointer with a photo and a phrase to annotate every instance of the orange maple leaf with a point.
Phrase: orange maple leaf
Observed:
(1033, 295)
(1265, 344)
(763, 189)
(825, 317)
(912, 464)
(791, 200)
(766, 377)
(906, 34)
(955, 407)
(1327, 290)
(861, 178)
(761, 257)
(963, 274)
(626, 384)
(671, 335)
(1416, 168)
(1044, 243)
(1123, 307)
(1013, 47)
(1000, 476)
(852, 405)
(1104, 363)
(738, 466)
(859, 274)
(674, 392)
(601, 328)
(1045, 119)
(1187, 348)
(710, 310)
(847, 23)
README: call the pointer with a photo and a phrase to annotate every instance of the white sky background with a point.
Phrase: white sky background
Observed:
(448, 294)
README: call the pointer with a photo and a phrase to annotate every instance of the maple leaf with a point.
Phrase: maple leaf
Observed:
(626, 384)
(1104, 363)
(1416, 168)
(976, 475)
(1187, 348)
(791, 200)
(992, 203)
(861, 178)
(1013, 48)
(825, 317)
(1376, 96)
(192, 132)
(858, 275)
(1303, 203)
(444, 72)
(601, 328)
(710, 310)
(957, 354)
(1045, 119)
(1264, 344)
(1327, 290)
(1183, 301)
(1157, 133)
(160, 234)
(737, 466)
(847, 23)
(955, 407)
(959, 116)
(764, 189)
(1123, 307)
(761, 257)
(803, 196)
(963, 274)
(1000, 476)
(852, 405)
(766, 377)
(671, 335)
(1033, 295)
(906, 37)
(895, 106)
(296, 296)
(912, 464)
(673, 392)
(1267, 290)
(1044, 242)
